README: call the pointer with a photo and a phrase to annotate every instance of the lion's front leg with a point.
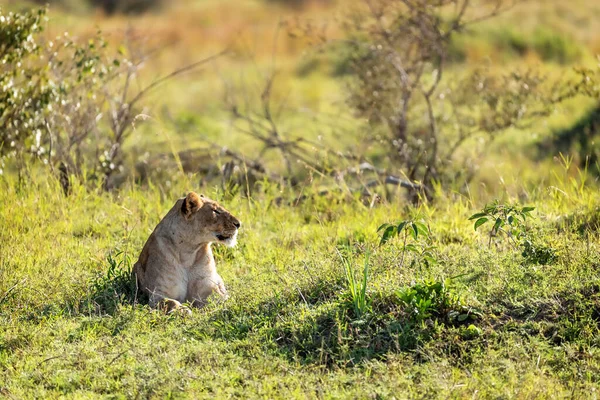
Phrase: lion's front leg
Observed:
(200, 289)
(167, 304)
(221, 289)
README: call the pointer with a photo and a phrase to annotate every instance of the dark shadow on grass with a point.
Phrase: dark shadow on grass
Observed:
(104, 294)
(316, 324)
(330, 334)
(581, 138)
(235, 321)
(571, 316)
(109, 290)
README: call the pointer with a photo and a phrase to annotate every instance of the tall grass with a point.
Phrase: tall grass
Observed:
(357, 286)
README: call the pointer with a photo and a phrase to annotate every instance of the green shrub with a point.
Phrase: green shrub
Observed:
(555, 46)
(338, 60)
(435, 299)
(308, 65)
(114, 287)
(510, 41)
(550, 45)
(509, 221)
(59, 91)
(538, 253)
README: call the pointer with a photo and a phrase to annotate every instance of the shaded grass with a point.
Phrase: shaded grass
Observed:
(580, 139)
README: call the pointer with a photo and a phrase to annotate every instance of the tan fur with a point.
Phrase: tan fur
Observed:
(176, 264)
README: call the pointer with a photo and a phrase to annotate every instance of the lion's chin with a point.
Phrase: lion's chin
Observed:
(228, 241)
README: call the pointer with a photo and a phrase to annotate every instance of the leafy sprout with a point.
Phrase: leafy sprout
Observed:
(506, 218)
(416, 239)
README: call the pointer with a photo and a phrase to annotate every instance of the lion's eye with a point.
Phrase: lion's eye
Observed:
(217, 212)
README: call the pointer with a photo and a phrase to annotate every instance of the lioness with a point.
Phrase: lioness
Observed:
(176, 264)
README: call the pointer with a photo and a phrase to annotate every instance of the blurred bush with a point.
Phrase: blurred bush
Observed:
(425, 118)
(549, 45)
(337, 59)
(127, 6)
(57, 95)
(108, 6)
(555, 46)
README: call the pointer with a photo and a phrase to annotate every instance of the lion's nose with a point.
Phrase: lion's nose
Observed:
(237, 224)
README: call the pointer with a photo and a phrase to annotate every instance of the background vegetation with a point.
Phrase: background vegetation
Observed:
(418, 186)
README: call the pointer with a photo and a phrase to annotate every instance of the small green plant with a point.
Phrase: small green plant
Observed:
(357, 287)
(507, 219)
(538, 254)
(114, 287)
(471, 332)
(119, 268)
(407, 227)
(510, 220)
(411, 231)
(428, 299)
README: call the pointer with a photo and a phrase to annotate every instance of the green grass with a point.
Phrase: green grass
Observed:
(482, 321)
(73, 326)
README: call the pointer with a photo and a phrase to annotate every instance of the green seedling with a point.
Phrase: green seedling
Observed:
(507, 219)
(416, 238)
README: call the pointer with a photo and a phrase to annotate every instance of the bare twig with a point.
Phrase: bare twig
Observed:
(12, 288)
(48, 359)
(175, 73)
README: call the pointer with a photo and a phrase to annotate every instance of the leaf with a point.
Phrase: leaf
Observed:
(411, 247)
(387, 234)
(525, 212)
(430, 259)
(401, 226)
(491, 208)
(383, 226)
(480, 222)
(478, 215)
(422, 228)
(462, 317)
(415, 231)
(497, 225)
(363, 292)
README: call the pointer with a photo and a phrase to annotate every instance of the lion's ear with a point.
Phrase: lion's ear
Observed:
(202, 195)
(191, 204)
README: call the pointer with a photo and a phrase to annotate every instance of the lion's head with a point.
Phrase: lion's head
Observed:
(209, 221)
